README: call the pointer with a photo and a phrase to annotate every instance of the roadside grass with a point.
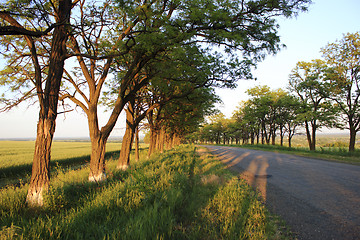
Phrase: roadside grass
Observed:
(337, 154)
(16, 158)
(175, 195)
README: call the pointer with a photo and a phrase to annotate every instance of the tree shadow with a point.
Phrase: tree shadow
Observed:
(15, 175)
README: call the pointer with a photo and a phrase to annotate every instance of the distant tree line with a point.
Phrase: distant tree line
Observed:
(321, 93)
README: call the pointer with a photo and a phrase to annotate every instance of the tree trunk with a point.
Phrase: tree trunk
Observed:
(313, 145)
(273, 138)
(352, 139)
(97, 160)
(168, 141)
(40, 176)
(289, 140)
(137, 144)
(252, 138)
(98, 144)
(309, 137)
(161, 140)
(281, 135)
(126, 145)
(152, 142)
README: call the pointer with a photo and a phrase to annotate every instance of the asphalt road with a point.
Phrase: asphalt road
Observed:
(318, 199)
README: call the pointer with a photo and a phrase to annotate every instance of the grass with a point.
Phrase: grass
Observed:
(175, 195)
(337, 154)
(16, 157)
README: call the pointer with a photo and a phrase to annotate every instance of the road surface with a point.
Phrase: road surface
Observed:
(318, 199)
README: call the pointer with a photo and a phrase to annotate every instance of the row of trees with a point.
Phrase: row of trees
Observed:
(322, 93)
(154, 59)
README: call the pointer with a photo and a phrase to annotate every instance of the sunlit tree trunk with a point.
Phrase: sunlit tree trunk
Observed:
(273, 138)
(126, 145)
(40, 175)
(137, 157)
(152, 142)
(98, 147)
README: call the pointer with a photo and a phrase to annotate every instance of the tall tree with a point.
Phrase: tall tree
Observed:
(307, 81)
(343, 57)
(103, 44)
(33, 20)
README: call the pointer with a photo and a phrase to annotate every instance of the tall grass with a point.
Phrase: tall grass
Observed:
(175, 195)
(16, 157)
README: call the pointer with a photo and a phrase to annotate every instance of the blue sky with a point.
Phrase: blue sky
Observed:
(325, 22)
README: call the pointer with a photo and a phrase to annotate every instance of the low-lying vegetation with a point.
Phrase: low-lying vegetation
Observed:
(175, 195)
(338, 154)
(16, 158)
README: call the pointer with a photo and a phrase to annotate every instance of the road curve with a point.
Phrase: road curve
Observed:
(318, 199)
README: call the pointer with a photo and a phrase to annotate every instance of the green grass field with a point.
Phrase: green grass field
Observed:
(15, 153)
(175, 195)
(16, 157)
(331, 147)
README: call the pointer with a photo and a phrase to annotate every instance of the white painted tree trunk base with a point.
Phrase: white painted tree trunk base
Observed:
(123, 167)
(97, 178)
(35, 198)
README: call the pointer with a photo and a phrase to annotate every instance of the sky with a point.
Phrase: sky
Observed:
(325, 22)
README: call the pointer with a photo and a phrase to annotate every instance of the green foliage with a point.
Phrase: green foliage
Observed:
(343, 78)
(164, 197)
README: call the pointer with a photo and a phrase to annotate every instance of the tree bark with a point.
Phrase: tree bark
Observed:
(309, 136)
(137, 155)
(98, 145)
(273, 138)
(126, 145)
(40, 176)
(352, 139)
(97, 160)
(313, 147)
(152, 142)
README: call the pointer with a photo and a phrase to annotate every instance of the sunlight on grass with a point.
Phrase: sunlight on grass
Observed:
(175, 195)
(13, 153)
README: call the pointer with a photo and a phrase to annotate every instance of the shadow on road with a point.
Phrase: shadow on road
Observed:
(319, 199)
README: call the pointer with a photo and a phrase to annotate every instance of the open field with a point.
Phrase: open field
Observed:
(175, 195)
(16, 157)
(323, 140)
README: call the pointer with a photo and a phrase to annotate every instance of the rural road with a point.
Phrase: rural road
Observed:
(317, 199)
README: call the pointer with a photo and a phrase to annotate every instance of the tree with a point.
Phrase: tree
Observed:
(111, 38)
(343, 57)
(32, 21)
(307, 81)
(183, 71)
(289, 119)
(264, 106)
(214, 23)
